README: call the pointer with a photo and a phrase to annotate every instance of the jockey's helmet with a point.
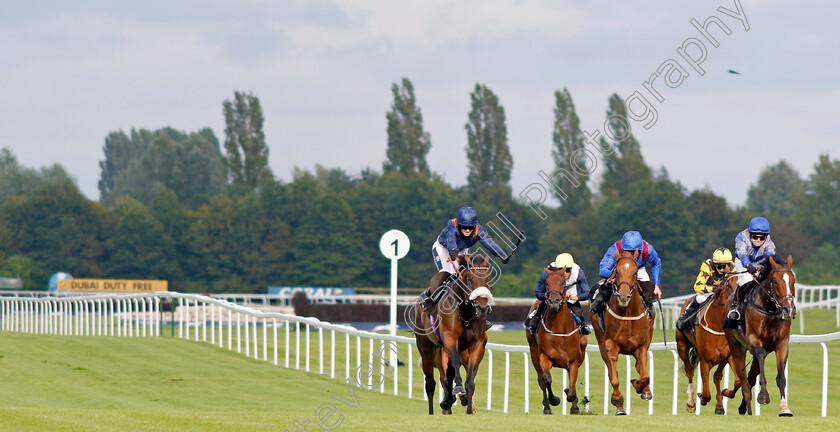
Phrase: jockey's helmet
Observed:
(632, 241)
(722, 256)
(564, 260)
(467, 217)
(759, 225)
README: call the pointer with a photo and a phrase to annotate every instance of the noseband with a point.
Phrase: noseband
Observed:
(777, 301)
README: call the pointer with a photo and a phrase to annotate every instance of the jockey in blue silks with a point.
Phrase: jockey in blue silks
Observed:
(630, 241)
(753, 246)
(577, 289)
(457, 237)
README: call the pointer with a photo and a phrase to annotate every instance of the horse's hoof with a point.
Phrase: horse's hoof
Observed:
(690, 408)
(574, 410)
(742, 409)
(763, 398)
(719, 411)
(554, 400)
(464, 400)
(547, 411)
(619, 412)
(785, 413)
(458, 391)
(446, 412)
(703, 401)
(647, 395)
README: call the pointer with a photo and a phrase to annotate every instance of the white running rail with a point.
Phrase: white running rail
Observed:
(213, 321)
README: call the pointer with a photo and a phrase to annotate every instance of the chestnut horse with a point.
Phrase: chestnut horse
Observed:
(627, 328)
(769, 308)
(558, 342)
(706, 344)
(455, 334)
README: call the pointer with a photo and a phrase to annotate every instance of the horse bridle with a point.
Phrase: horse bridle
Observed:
(467, 275)
(617, 286)
(772, 293)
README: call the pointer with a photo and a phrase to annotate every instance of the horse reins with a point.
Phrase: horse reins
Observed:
(562, 302)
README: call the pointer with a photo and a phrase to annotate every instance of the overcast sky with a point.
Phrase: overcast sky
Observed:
(71, 72)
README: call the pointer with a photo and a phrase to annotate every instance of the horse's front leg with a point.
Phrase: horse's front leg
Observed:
(781, 381)
(739, 366)
(571, 392)
(719, 396)
(446, 377)
(476, 354)
(759, 355)
(451, 347)
(706, 394)
(610, 356)
(642, 385)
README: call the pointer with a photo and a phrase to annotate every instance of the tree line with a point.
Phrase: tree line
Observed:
(211, 217)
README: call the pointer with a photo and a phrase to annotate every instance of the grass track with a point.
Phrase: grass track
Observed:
(112, 384)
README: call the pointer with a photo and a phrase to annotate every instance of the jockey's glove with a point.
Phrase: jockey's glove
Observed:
(453, 254)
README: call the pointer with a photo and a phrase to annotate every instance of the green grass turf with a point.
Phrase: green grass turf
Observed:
(156, 383)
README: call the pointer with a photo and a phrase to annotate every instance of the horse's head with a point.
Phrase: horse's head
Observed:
(781, 286)
(625, 276)
(722, 291)
(555, 281)
(476, 278)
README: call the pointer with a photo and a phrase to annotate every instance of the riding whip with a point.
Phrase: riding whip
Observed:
(662, 317)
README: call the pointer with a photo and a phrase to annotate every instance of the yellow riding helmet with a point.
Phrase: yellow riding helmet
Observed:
(564, 260)
(722, 256)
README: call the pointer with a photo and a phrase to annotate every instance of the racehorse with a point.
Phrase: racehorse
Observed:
(769, 308)
(454, 335)
(627, 329)
(707, 344)
(558, 342)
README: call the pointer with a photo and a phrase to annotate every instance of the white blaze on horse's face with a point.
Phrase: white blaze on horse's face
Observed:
(786, 278)
(626, 266)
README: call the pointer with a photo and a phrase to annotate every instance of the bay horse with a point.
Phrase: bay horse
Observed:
(455, 335)
(770, 306)
(627, 329)
(558, 342)
(706, 344)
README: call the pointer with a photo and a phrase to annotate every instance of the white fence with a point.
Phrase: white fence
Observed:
(214, 321)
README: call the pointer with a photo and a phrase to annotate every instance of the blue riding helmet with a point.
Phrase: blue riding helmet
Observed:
(759, 225)
(632, 241)
(467, 217)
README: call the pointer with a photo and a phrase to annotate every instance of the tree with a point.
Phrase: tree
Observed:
(139, 247)
(818, 204)
(408, 143)
(327, 248)
(191, 165)
(247, 153)
(120, 151)
(771, 194)
(57, 227)
(488, 155)
(19, 180)
(625, 168)
(568, 143)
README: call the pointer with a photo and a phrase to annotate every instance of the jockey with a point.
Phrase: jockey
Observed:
(712, 273)
(630, 241)
(577, 288)
(457, 237)
(753, 247)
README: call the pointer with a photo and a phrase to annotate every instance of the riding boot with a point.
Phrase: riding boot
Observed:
(685, 319)
(443, 280)
(533, 321)
(600, 299)
(734, 312)
(578, 313)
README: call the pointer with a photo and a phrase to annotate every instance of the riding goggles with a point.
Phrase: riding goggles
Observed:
(758, 236)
